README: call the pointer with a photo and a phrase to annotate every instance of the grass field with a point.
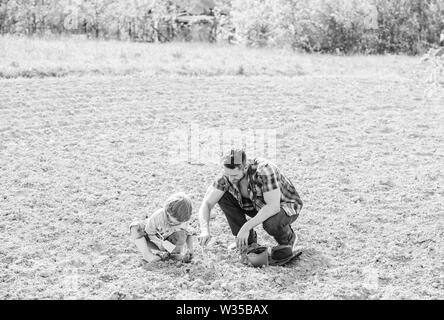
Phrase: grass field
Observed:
(84, 150)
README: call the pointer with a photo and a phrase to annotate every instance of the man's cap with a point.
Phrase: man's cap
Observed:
(233, 157)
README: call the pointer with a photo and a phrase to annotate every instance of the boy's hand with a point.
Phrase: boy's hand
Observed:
(187, 257)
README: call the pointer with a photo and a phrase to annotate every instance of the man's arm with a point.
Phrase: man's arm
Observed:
(212, 196)
(271, 194)
(272, 206)
(189, 242)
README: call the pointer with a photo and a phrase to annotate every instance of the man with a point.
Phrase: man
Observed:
(254, 188)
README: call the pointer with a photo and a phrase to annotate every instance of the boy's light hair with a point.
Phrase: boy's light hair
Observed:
(179, 205)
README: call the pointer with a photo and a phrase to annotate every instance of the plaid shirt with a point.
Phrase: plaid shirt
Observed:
(263, 176)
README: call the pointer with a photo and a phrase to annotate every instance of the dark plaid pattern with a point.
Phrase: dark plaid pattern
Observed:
(263, 176)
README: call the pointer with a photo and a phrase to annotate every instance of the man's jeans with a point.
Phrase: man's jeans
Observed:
(278, 226)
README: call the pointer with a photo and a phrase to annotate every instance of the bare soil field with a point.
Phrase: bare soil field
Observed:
(81, 157)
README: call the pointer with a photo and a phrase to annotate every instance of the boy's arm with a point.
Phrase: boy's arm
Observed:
(147, 254)
(190, 244)
(155, 239)
(151, 231)
(189, 253)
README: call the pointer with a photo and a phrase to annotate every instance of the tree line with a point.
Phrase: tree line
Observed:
(335, 26)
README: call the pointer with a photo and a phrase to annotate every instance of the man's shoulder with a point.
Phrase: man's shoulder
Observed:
(263, 167)
(221, 182)
(221, 179)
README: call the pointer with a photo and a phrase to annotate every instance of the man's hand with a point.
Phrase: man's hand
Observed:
(242, 238)
(204, 238)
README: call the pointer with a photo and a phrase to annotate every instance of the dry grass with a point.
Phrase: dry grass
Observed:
(29, 58)
(81, 157)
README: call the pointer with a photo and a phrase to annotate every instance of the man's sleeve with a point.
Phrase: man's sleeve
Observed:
(221, 184)
(268, 178)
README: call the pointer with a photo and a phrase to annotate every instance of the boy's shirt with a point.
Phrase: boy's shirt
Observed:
(157, 226)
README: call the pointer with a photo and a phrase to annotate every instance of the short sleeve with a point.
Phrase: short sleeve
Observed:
(221, 184)
(269, 179)
(151, 230)
(150, 227)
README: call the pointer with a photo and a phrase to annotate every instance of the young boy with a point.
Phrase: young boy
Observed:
(168, 223)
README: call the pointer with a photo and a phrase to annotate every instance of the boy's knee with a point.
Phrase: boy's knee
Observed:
(136, 231)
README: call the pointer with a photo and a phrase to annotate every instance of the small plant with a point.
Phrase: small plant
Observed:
(240, 71)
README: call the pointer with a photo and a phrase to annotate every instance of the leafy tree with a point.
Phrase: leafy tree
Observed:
(346, 26)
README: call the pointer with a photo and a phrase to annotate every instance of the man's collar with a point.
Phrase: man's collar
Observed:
(251, 170)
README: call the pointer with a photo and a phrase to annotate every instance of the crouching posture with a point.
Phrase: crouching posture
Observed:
(164, 233)
(254, 188)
